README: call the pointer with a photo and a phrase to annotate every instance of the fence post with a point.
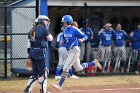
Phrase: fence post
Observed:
(37, 8)
(5, 37)
(85, 7)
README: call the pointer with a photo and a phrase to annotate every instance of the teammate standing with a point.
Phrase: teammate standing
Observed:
(105, 36)
(71, 36)
(119, 37)
(87, 31)
(37, 39)
(135, 37)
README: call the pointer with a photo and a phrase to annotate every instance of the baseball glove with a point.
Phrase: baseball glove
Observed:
(28, 64)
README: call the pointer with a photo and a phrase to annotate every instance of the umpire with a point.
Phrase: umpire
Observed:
(38, 36)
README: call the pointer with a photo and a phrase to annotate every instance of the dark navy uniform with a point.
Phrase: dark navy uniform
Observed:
(37, 51)
(37, 39)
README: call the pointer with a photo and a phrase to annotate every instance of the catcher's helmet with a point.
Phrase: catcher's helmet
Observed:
(68, 19)
(44, 17)
(39, 20)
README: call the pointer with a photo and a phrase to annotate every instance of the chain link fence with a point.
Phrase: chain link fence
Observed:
(17, 19)
(20, 17)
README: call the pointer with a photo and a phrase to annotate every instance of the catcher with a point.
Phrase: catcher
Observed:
(38, 36)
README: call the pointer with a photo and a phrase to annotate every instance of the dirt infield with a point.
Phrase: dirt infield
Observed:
(101, 84)
(93, 90)
(121, 89)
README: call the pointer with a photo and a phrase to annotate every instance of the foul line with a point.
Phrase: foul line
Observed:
(122, 89)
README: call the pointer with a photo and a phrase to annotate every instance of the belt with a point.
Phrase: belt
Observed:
(69, 48)
(36, 48)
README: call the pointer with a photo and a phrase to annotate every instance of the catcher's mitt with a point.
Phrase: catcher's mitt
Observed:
(28, 64)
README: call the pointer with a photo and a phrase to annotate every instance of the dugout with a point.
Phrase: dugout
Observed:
(97, 12)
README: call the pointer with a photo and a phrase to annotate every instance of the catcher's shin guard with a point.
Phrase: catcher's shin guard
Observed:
(43, 86)
(30, 84)
(43, 82)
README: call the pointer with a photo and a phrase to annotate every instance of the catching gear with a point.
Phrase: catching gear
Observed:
(43, 81)
(30, 84)
(68, 19)
(44, 17)
(39, 20)
(28, 64)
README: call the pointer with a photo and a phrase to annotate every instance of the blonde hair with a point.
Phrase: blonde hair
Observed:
(75, 24)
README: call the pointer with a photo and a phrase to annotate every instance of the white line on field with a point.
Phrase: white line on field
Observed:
(112, 89)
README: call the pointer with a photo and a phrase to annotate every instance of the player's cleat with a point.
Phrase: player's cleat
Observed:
(137, 72)
(57, 77)
(73, 76)
(57, 86)
(97, 64)
(25, 91)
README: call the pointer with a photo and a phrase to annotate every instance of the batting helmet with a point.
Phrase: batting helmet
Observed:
(68, 19)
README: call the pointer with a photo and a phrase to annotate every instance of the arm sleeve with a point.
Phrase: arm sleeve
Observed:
(100, 35)
(48, 35)
(62, 39)
(79, 34)
(91, 33)
(125, 35)
(85, 38)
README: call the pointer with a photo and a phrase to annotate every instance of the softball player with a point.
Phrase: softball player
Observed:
(105, 36)
(71, 37)
(119, 37)
(86, 44)
(135, 37)
(37, 40)
(62, 58)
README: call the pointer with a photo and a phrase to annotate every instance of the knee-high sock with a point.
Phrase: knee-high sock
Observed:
(58, 69)
(70, 72)
(63, 77)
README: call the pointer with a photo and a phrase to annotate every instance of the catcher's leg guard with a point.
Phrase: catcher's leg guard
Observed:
(43, 83)
(30, 84)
